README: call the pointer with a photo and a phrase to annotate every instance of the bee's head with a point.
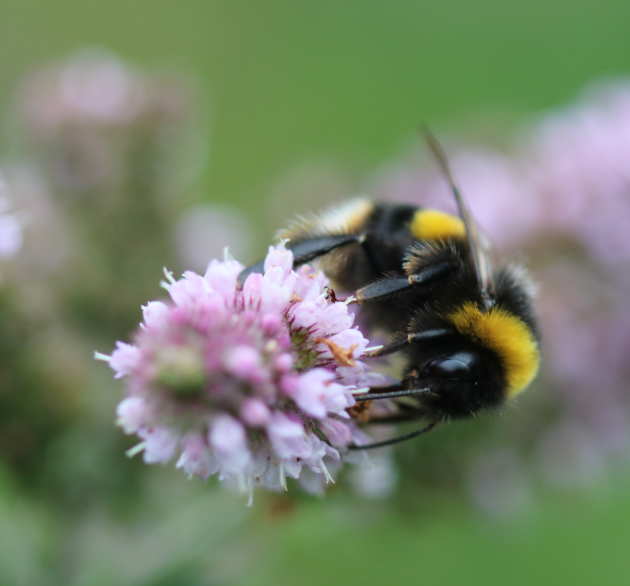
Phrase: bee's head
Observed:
(462, 379)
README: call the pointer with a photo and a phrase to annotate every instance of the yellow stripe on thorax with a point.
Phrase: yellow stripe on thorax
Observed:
(508, 336)
(436, 225)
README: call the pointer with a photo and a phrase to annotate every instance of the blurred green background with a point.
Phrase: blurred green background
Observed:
(281, 83)
(286, 81)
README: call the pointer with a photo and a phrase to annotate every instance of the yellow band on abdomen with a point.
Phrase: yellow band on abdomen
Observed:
(508, 336)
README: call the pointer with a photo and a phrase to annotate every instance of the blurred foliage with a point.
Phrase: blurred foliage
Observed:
(274, 85)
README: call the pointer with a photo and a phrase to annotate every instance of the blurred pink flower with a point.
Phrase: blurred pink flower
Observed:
(93, 115)
(10, 226)
(92, 88)
(580, 170)
(242, 382)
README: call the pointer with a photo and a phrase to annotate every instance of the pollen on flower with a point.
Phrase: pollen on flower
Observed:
(250, 383)
(343, 356)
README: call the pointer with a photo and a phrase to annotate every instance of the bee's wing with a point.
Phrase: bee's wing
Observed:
(479, 248)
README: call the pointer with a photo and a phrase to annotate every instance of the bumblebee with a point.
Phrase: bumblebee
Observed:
(467, 330)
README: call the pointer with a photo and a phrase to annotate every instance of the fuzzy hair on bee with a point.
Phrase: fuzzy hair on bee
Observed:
(467, 331)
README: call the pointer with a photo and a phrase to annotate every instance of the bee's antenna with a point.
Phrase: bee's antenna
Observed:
(480, 259)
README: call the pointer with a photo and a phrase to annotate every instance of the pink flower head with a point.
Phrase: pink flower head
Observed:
(250, 383)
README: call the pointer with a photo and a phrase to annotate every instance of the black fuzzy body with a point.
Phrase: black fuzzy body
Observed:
(386, 238)
(380, 255)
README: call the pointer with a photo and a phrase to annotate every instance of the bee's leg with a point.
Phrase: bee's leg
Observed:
(417, 337)
(383, 288)
(312, 248)
(307, 250)
(396, 440)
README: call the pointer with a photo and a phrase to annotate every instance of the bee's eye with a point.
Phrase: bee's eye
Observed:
(459, 365)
